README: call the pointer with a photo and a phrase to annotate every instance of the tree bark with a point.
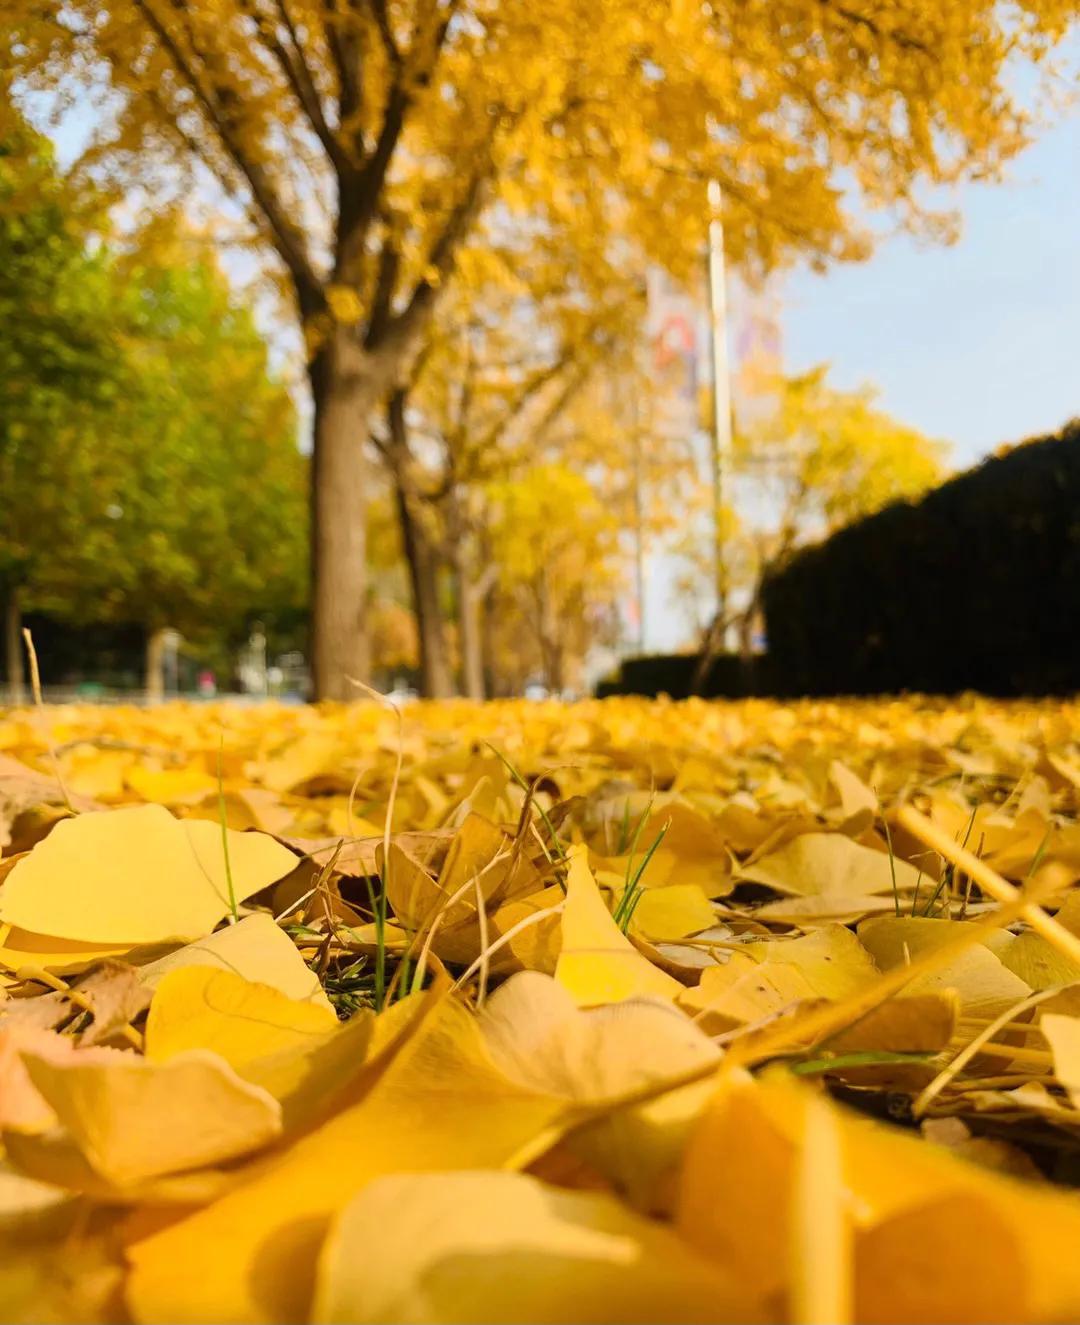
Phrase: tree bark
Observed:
(345, 389)
(494, 685)
(472, 648)
(473, 594)
(13, 647)
(436, 681)
(435, 678)
(551, 652)
(154, 678)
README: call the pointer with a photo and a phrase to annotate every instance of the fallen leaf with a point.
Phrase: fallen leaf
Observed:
(597, 963)
(255, 949)
(529, 1252)
(770, 977)
(830, 864)
(134, 1119)
(434, 1100)
(984, 985)
(198, 1007)
(136, 876)
(540, 1038)
(671, 913)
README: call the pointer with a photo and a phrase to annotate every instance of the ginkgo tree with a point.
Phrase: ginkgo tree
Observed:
(528, 323)
(556, 546)
(597, 486)
(811, 458)
(361, 138)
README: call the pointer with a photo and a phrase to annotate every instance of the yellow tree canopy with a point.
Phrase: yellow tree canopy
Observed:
(826, 457)
(811, 458)
(360, 133)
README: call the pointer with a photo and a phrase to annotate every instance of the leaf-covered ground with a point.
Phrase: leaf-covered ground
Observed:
(622, 1011)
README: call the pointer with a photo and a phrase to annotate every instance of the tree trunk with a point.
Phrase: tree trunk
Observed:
(13, 647)
(345, 390)
(548, 638)
(472, 646)
(435, 679)
(154, 679)
(749, 621)
(494, 685)
(473, 593)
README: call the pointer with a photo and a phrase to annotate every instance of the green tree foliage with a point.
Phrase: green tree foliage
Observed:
(213, 526)
(58, 375)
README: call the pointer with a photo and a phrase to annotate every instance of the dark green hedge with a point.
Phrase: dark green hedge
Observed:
(976, 586)
(672, 674)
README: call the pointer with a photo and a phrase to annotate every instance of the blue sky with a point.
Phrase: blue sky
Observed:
(977, 343)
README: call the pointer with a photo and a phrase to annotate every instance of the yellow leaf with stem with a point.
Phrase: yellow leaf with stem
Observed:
(597, 963)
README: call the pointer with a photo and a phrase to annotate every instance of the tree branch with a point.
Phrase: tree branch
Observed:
(382, 22)
(382, 299)
(441, 255)
(298, 76)
(902, 39)
(413, 70)
(285, 236)
(346, 60)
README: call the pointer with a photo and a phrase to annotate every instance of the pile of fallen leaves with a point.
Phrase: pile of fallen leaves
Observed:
(621, 1011)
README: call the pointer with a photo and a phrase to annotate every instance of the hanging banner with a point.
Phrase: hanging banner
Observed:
(756, 340)
(677, 344)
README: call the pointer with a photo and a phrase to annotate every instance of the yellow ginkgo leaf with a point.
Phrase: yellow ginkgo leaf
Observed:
(597, 962)
(1010, 1242)
(21, 1196)
(1063, 1034)
(830, 864)
(310, 1077)
(314, 759)
(429, 1098)
(245, 807)
(769, 977)
(137, 875)
(170, 786)
(532, 1252)
(538, 1036)
(668, 914)
(133, 1119)
(198, 1007)
(856, 798)
(844, 908)
(32, 1287)
(534, 924)
(296, 1050)
(19, 949)
(985, 987)
(256, 949)
(1039, 963)
(691, 850)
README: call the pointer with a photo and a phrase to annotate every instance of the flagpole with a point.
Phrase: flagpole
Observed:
(721, 395)
(639, 517)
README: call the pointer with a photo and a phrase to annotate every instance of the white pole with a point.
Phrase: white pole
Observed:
(639, 515)
(721, 414)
